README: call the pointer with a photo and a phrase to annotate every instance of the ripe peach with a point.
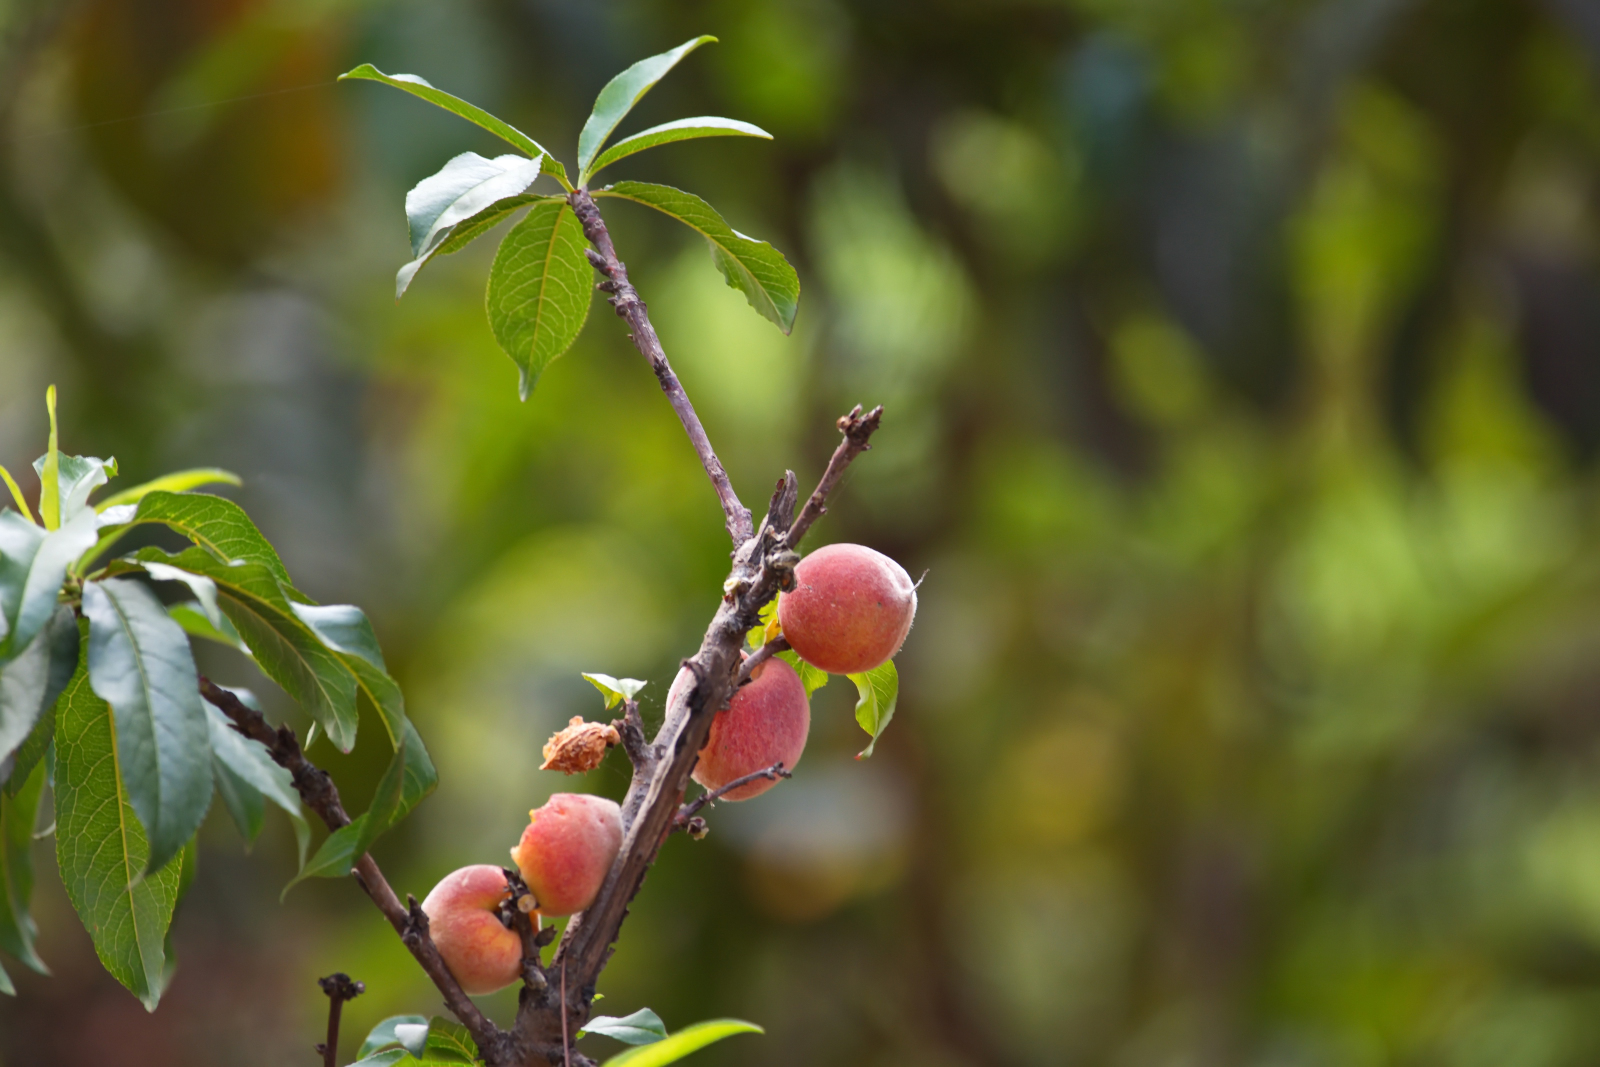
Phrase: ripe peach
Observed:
(850, 609)
(464, 919)
(766, 722)
(567, 849)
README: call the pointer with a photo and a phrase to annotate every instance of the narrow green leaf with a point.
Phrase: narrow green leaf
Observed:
(677, 130)
(383, 1035)
(753, 267)
(192, 617)
(46, 569)
(418, 87)
(689, 1039)
(285, 648)
(30, 684)
(18, 816)
(49, 482)
(19, 543)
(16, 493)
(247, 767)
(101, 847)
(643, 1027)
(539, 289)
(341, 849)
(879, 690)
(620, 95)
(219, 526)
(140, 663)
(615, 690)
(813, 678)
(176, 482)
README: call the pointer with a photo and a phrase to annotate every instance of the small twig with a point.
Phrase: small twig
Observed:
(857, 429)
(339, 988)
(760, 656)
(319, 793)
(626, 300)
(517, 913)
(687, 811)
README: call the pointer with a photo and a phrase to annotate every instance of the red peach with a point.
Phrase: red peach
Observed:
(850, 609)
(567, 849)
(766, 722)
(464, 919)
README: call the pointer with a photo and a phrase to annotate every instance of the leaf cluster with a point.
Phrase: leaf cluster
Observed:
(539, 285)
(99, 699)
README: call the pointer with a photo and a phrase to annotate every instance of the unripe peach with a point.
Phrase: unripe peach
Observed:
(766, 722)
(850, 609)
(464, 918)
(567, 849)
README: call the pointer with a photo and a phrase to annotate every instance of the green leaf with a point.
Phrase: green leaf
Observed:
(413, 1037)
(467, 185)
(813, 678)
(677, 130)
(101, 847)
(879, 689)
(449, 1042)
(244, 766)
(463, 234)
(76, 478)
(16, 493)
(344, 629)
(140, 663)
(689, 1039)
(203, 588)
(383, 1035)
(286, 649)
(643, 1027)
(49, 481)
(539, 289)
(30, 684)
(615, 690)
(418, 87)
(341, 849)
(18, 816)
(192, 617)
(219, 526)
(29, 607)
(619, 96)
(753, 267)
(382, 1059)
(176, 482)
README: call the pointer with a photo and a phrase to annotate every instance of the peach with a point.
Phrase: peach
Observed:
(766, 722)
(464, 918)
(568, 847)
(850, 609)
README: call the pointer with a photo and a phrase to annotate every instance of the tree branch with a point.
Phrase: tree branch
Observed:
(316, 788)
(687, 812)
(339, 988)
(626, 300)
(760, 656)
(857, 430)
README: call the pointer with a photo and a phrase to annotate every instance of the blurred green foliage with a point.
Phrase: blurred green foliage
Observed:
(1242, 366)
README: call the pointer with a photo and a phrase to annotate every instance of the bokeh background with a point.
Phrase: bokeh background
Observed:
(1242, 367)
